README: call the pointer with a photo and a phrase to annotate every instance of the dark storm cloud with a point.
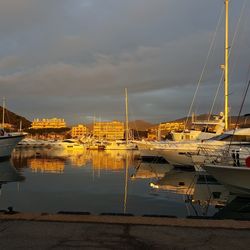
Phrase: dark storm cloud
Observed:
(74, 58)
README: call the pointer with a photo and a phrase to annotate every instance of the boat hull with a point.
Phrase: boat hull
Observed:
(7, 144)
(177, 157)
(236, 179)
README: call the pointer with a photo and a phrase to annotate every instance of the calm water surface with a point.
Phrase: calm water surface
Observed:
(106, 182)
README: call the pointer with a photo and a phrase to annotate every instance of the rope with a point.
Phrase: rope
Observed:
(204, 66)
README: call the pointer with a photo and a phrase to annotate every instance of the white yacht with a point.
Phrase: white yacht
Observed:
(204, 132)
(181, 153)
(8, 141)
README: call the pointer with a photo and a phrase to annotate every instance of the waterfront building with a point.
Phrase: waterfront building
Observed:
(48, 123)
(79, 131)
(163, 129)
(167, 127)
(113, 130)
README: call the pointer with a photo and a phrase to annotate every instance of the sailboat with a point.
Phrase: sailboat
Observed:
(8, 141)
(123, 144)
(178, 153)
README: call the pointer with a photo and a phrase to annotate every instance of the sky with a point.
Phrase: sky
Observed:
(73, 59)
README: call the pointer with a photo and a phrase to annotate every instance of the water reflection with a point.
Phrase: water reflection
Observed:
(46, 165)
(112, 181)
(53, 161)
(8, 173)
(145, 170)
(180, 182)
(237, 208)
(202, 193)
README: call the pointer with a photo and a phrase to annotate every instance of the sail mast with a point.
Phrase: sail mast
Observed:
(226, 64)
(126, 107)
(3, 112)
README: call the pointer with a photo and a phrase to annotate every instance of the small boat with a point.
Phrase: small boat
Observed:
(8, 141)
(67, 144)
(95, 145)
(120, 145)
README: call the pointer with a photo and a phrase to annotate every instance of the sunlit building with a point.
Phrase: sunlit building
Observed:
(79, 131)
(163, 129)
(48, 123)
(109, 130)
(171, 126)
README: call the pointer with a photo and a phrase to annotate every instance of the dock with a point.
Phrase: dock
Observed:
(79, 231)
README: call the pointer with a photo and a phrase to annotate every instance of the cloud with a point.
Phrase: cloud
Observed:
(80, 55)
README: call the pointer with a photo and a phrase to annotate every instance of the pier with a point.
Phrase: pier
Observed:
(76, 231)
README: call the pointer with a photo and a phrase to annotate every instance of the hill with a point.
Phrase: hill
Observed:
(14, 119)
(140, 125)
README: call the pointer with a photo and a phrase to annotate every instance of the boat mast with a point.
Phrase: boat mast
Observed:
(226, 64)
(126, 107)
(3, 112)
(20, 125)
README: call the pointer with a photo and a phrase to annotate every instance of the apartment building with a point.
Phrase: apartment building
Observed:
(113, 130)
(48, 123)
(79, 131)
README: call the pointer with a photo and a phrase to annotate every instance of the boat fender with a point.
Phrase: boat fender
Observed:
(248, 161)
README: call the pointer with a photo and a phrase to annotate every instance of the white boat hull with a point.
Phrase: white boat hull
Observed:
(177, 157)
(7, 144)
(236, 179)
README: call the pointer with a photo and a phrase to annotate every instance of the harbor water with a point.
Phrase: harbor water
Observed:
(110, 182)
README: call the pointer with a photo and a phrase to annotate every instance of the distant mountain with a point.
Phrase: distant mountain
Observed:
(13, 119)
(140, 125)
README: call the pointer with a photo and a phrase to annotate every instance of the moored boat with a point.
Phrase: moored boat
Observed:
(235, 178)
(8, 141)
